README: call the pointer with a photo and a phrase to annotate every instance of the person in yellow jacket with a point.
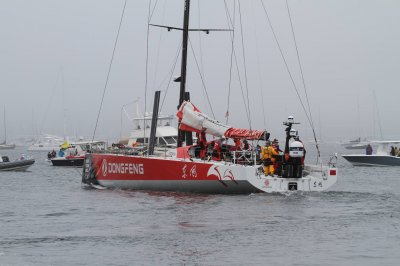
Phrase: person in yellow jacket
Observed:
(267, 156)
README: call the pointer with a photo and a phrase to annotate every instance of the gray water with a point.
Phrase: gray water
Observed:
(48, 218)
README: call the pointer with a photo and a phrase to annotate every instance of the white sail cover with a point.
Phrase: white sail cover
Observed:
(192, 119)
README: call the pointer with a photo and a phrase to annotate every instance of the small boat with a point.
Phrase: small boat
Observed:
(71, 160)
(18, 165)
(382, 157)
(75, 153)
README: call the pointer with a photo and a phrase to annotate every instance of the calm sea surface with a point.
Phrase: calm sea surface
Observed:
(48, 218)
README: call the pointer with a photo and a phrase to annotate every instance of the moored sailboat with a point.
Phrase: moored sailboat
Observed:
(4, 145)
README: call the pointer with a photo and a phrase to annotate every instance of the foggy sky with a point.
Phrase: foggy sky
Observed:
(54, 58)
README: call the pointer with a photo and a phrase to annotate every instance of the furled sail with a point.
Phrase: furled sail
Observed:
(192, 119)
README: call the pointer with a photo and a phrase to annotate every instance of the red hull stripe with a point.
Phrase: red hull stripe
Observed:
(114, 167)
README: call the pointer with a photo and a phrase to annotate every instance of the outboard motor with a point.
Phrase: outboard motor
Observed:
(296, 149)
(294, 152)
(294, 166)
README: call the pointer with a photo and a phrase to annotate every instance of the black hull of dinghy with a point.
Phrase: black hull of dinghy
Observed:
(21, 165)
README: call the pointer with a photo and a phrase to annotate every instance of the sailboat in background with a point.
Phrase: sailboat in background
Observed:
(4, 145)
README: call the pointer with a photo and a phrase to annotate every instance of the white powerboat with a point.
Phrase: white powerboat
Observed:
(382, 157)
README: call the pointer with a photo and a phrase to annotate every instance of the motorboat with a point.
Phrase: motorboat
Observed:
(20, 164)
(73, 154)
(382, 157)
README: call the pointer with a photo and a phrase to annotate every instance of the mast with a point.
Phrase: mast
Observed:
(181, 134)
(5, 130)
(153, 129)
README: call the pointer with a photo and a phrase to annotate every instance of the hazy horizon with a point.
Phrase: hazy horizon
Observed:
(55, 57)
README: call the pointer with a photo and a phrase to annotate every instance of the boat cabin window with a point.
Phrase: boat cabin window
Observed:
(141, 140)
(170, 140)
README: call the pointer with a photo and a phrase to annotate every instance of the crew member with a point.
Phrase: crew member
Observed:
(267, 153)
(203, 145)
(246, 145)
(369, 149)
(217, 151)
(277, 159)
(237, 146)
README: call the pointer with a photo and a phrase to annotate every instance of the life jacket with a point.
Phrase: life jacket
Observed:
(267, 152)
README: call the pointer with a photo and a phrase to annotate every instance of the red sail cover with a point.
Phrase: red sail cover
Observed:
(241, 133)
(192, 119)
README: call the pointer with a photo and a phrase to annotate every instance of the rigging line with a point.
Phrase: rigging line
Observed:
(231, 24)
(63, 103)
(171, 74)
(239, 79)
(285, 62)
(377, 114)
(109, 70)
(146, 72)
(258, 67)
(202, 79)
(200, 46)
(41, 125)
(299, 61)
(152, 11)
(302, 77)
(241, 85)
(244, 62)
(158, 51)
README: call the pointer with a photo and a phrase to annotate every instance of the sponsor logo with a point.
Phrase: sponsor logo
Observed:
(227, 175)
(192, 171)
(184, 175)
(104, 167)
(121, 168)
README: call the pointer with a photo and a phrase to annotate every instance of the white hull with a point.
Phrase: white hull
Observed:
(7, 146)
(372, 160)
